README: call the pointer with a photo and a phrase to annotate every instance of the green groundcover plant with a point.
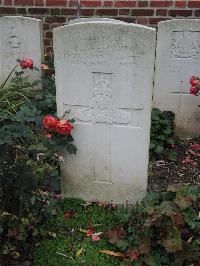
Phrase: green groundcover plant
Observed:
(31, 142)
(162, 135)
(164, 229)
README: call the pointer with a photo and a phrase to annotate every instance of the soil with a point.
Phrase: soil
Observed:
(186, 168)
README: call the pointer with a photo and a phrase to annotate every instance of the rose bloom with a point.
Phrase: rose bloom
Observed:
(26, 63)
(194, 90)
(194, 81)
(63, 127)
(49, 122)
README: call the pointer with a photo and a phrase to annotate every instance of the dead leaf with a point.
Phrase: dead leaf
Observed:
(89, 232)
(190, 239)
(112, 253)
(145, 248)
(177, 219)
(95, 237)
(69, 214)
(78, 253)
(133, 254)
(114, 235)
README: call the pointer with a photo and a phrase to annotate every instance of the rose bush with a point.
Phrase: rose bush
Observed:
(31, 151)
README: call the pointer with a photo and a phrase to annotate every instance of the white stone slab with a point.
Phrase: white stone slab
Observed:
(104, 76)
(177, 59)
(20, 37)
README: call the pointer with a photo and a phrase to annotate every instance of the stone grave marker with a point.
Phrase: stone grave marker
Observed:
(104, 76)
(20, 37)
(177, 59)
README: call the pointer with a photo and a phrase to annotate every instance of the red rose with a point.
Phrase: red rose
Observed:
(194, 81)
(194, 90)
(26, 63)
(63, 127)
(49, 122)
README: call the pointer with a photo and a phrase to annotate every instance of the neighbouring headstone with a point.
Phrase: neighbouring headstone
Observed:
(20, 37)
(104, 76)
(177, 59)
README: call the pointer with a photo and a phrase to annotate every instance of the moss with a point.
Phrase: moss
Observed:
(69, 239)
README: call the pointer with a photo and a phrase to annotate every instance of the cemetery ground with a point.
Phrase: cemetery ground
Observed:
(99, 233)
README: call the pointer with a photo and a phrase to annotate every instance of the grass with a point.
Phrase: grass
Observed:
(70, 246)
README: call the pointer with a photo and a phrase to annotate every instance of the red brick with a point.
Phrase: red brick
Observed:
(47, 42)
(142, 12)
(161, 3)
(73, 3)
(49, 34)
(38, 11)
(56, 3)
(124, 12)
(180, 3)
(39, 3)
(55, 19)
(69, 12)
(161, 12)
(21, 11)
(126, 19)
(180, 13)
(7, 2)
(55, 11)
(143, 21)
(194, 3)
(197, 13)
(154, 21)
(87, 12)
(143, 3)
(7, 10)
(90, 3)
(125, 3)
(108, 3)
(23, 2)
(45, 26)
(106, 12)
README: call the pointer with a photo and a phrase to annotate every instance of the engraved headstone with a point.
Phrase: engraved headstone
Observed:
(20, 37)
(177, 59)
(104, 76)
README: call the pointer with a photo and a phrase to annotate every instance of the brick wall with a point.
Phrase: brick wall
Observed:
(55, 13)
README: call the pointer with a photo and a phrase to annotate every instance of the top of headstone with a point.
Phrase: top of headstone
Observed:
(19, 18)
(178, 21)
(94, 20)
(100, 21)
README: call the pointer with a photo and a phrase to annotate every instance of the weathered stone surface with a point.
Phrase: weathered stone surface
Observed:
(20, 37)
(177, 59)
(104, 76)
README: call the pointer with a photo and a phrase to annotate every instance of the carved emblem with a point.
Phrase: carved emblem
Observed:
(103, 109)
(185, 44)
(13, 40)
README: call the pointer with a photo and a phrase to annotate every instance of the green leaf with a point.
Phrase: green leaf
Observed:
(159, 149)
(71, 148)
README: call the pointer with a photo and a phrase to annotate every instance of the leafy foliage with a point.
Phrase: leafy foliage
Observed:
(162, 135)
(29, 164)
(163, 229)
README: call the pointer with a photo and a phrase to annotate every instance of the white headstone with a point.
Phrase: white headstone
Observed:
(177, 59)
(104, 76)
(20, 38)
